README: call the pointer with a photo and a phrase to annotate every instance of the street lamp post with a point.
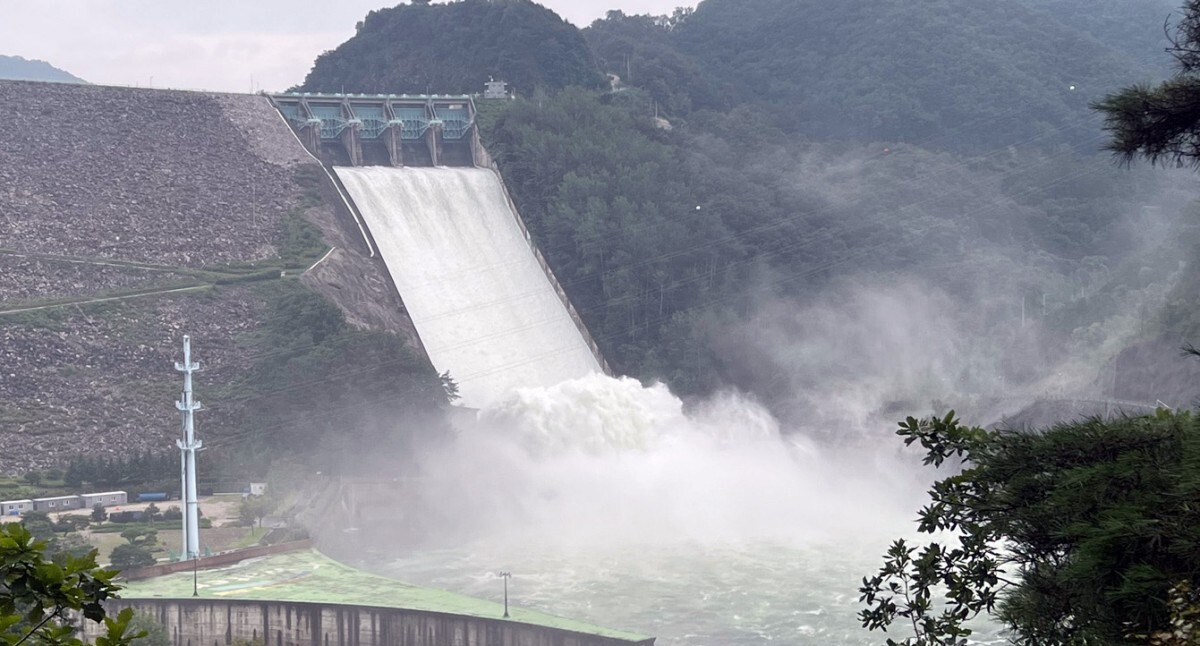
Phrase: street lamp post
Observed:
(506, 576)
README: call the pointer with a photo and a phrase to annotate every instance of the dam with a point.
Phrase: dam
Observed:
(485, 304)
(185, 212)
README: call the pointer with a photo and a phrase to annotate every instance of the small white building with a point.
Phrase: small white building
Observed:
(106, 498)
(15, 507)
(495, 90)
(58, 503)
(258, 488)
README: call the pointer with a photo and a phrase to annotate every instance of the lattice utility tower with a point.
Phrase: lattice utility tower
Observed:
(187, 454)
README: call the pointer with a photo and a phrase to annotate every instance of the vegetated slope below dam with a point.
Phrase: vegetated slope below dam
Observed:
(482, 305)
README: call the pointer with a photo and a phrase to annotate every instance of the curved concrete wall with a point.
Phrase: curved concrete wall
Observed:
(215, 622)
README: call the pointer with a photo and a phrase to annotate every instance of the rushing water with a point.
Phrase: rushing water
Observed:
(712, 527)
(686, 594)
(484, 308)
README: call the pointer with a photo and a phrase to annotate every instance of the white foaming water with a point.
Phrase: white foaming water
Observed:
(613, 504)
(482, 305)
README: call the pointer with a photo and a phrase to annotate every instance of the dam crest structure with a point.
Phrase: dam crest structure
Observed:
(385, 129)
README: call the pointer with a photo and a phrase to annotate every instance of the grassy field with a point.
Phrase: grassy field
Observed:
(224, 534)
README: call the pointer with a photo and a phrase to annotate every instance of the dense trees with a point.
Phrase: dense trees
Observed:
(37, 593)
(123, 471)
(454, 48)
(128, 555)
(666, 239)
(618, 217)
(1162, 122)
(864, 70)
(1078, 534)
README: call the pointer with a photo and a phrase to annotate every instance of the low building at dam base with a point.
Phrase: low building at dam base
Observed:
(303, 598)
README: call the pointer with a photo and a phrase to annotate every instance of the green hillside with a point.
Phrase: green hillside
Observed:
(1133, 28)
(455, 48)
(964, 75)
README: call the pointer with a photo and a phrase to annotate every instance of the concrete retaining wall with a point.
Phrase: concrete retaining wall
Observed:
(214, 622)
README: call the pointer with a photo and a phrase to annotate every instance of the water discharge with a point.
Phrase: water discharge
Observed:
(482, 305)
(611, 501)
(705, 524)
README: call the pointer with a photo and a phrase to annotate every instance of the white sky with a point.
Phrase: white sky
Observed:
(230, 45)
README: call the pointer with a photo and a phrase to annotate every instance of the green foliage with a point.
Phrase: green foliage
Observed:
(863, 70)
(141, 537)
(665, 240)
(38, 524)
(128, 555)
(1074, 535)
(640, 51)
(74, 545)
(614, 209)
(123, 472)
(253, 509)
(71, 523)
(37, 592)
(98, 514)
(455, 47)
(302, 244)
(1134, 29)
(322, 390)
(1162, 122)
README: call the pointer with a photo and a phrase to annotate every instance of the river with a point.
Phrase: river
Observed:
(711, 527)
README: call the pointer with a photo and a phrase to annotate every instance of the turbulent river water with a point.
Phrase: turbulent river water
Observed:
(713, 527)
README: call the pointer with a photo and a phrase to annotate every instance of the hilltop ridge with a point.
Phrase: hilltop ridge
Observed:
(16, 68)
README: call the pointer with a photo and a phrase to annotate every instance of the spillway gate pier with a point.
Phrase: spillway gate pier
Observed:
(385, 129)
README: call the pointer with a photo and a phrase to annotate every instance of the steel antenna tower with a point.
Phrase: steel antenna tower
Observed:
(187, 453)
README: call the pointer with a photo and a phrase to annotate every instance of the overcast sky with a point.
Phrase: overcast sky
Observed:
(231, 45)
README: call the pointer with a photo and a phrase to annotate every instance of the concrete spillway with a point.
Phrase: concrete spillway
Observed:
(482, 305)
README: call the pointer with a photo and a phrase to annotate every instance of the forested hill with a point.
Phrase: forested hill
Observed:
(15, 68)
(1133, 28)
(831, 176)
(455, 48)
(970, 75)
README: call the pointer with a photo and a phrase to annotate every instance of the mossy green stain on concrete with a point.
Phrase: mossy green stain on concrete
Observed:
(311, 577)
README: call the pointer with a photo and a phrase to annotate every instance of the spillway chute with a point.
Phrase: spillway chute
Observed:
(485, 308)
